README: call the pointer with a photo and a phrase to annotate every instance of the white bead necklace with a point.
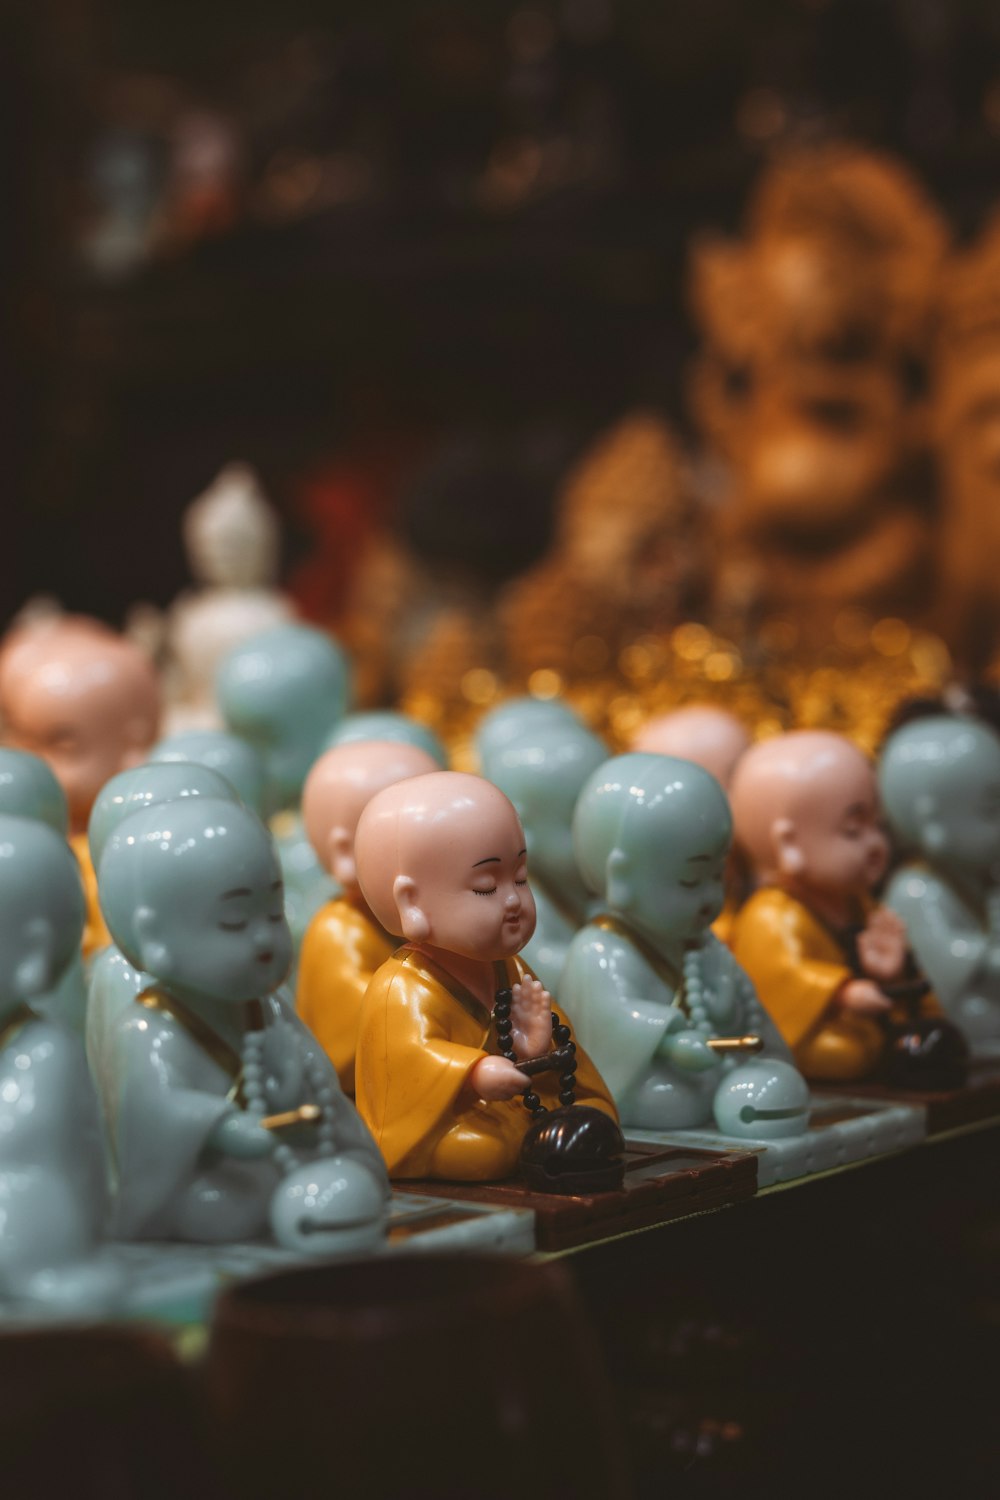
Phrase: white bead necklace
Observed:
(694, 997)
(255, 1092)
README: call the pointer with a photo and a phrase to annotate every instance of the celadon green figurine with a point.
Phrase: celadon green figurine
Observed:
(939, 779)
(285, 691)
(52, 1196)
(671, 1020)
(233, 757)
(113, 983)
(543, 771)
(29, 789)
(388, 724)
(224, 1115)
(516, 717)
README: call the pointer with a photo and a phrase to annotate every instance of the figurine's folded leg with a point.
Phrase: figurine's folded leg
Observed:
(483, 1145)
(846, 1049)
(228, 1201)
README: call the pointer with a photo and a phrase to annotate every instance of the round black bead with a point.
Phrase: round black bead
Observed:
(531, 1101)
(567, 1080)
(567, 1097)
(570, 1046)
(504, 1026)
(561, 1034)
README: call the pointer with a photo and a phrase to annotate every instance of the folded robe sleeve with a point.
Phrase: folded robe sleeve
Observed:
(793, 962)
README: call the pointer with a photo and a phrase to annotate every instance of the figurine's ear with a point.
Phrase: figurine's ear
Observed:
(412, 918)
(787, 852)
(618, 880)
(152, 951)
(33, 975)
(340, 858)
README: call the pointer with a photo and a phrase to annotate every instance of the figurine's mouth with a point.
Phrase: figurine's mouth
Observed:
(266, 958)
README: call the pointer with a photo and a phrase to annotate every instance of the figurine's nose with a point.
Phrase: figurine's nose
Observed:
(263, 938)
(513, 901)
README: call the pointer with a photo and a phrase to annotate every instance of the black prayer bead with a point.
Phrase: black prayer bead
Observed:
(531, 1101)
(567, 1097)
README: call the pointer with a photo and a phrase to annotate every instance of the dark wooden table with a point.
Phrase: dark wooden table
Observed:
(839, 1336)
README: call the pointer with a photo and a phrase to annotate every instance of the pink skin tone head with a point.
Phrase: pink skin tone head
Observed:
(441, 861)
(709, 736)
(83, 698)
(339, 788)
(806, 813)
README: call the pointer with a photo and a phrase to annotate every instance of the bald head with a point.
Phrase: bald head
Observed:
(653, 810)
(84, 698)
(191, 891)
(338, 789)
(790, 785)
(425, 844)
(709, 736)
(940, 780)
(41, 909)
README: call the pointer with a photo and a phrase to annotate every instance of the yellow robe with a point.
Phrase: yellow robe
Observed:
(798, 966)
(95, 934)
(421, 1035)
(342, 948)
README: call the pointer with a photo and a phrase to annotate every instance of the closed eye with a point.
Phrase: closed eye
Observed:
(491, 892)
(233, 926)
(522, 882)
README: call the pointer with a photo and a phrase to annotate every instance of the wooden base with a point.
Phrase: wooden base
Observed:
(661, 1183)
(976, 1101)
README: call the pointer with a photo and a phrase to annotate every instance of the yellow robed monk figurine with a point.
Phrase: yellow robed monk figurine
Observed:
(441, 861)
(826, 962)
(345, 942)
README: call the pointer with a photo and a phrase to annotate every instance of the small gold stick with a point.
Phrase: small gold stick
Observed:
(306, 1114)
(736, 1043)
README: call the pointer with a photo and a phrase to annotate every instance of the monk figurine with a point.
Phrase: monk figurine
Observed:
(345, 943)
(52, 1198)
(232, 540)
(112, 982)
(670, 1018)
(517, 717)
(543, 772)
(88, 702)
(284, 691)
(807, 814)
(234, 758)
(940, 782)
(714, 739)
(388, 724)
(29, 789)
(441, 862)
(223, 1113)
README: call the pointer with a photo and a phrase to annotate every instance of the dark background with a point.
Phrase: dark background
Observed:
(456, 287)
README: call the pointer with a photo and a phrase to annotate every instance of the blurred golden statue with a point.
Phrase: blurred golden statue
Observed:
(967, 436)
(810, 385)
(627, 557)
